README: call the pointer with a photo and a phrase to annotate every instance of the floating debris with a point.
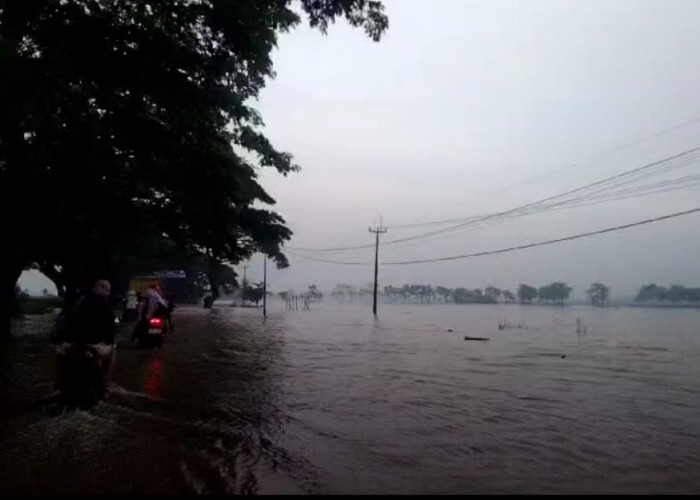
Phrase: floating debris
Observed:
(507, 325)
(479, 339)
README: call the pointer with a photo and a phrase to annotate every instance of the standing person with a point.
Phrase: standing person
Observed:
(131, 313)
(91, 322)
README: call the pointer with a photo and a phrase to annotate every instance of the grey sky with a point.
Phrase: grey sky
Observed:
(459, 105)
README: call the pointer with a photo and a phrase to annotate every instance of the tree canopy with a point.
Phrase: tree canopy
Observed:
(556, 292)
(598, 293)
(527, 293)
(128, 118)
(674, 294)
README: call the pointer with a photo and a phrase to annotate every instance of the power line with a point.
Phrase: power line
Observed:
(610, 151)
(513, 248)
(623, 194)
(622, 175)
(684, 182)
(599, 187)
(548, 242)
(326, 261)
(660, 165)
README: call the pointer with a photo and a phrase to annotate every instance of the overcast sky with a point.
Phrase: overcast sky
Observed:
(469, 107)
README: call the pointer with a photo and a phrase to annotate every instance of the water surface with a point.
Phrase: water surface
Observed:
(332, 401)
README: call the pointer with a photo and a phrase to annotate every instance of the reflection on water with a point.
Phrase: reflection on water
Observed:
(153, 380)
(331, 401)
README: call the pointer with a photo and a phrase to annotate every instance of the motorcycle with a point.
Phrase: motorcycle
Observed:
(80, 373)
(152, 332)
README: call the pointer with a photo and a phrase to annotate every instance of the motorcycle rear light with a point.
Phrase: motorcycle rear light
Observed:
(155, 322)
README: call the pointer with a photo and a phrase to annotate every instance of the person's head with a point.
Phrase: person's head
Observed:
(102, 289)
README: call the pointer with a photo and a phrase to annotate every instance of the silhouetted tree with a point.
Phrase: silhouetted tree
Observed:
(598, 293)
(462, 295)
(556, 292)
(445, 293)
(341, 291)
(118, 114)
(674, 294)
(691, 294)
(493, 292)
(314, 293)
(217, 275)
(253, 293)
(651, 293)
(366, 290)
(527, 293)
(466, 296)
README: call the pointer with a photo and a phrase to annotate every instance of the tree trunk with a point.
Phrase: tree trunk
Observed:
(9, 274)
(214, 284)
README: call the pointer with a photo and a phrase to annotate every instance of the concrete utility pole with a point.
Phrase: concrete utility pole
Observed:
(264, 287)
(377, 231)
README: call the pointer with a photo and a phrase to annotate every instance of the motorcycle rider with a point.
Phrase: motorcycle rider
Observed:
(152, 305)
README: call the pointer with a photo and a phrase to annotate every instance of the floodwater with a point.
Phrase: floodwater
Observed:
(331, 401)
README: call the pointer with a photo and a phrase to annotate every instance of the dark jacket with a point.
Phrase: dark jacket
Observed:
(91, 322)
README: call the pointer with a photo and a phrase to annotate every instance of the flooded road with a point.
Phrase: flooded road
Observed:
(331, 401)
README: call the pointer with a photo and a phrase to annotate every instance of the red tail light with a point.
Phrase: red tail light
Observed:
(155, 322)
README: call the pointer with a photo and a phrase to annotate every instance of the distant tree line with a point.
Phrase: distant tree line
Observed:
(554, 293)
(675, 294)
(348, 293)
(557, 293)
